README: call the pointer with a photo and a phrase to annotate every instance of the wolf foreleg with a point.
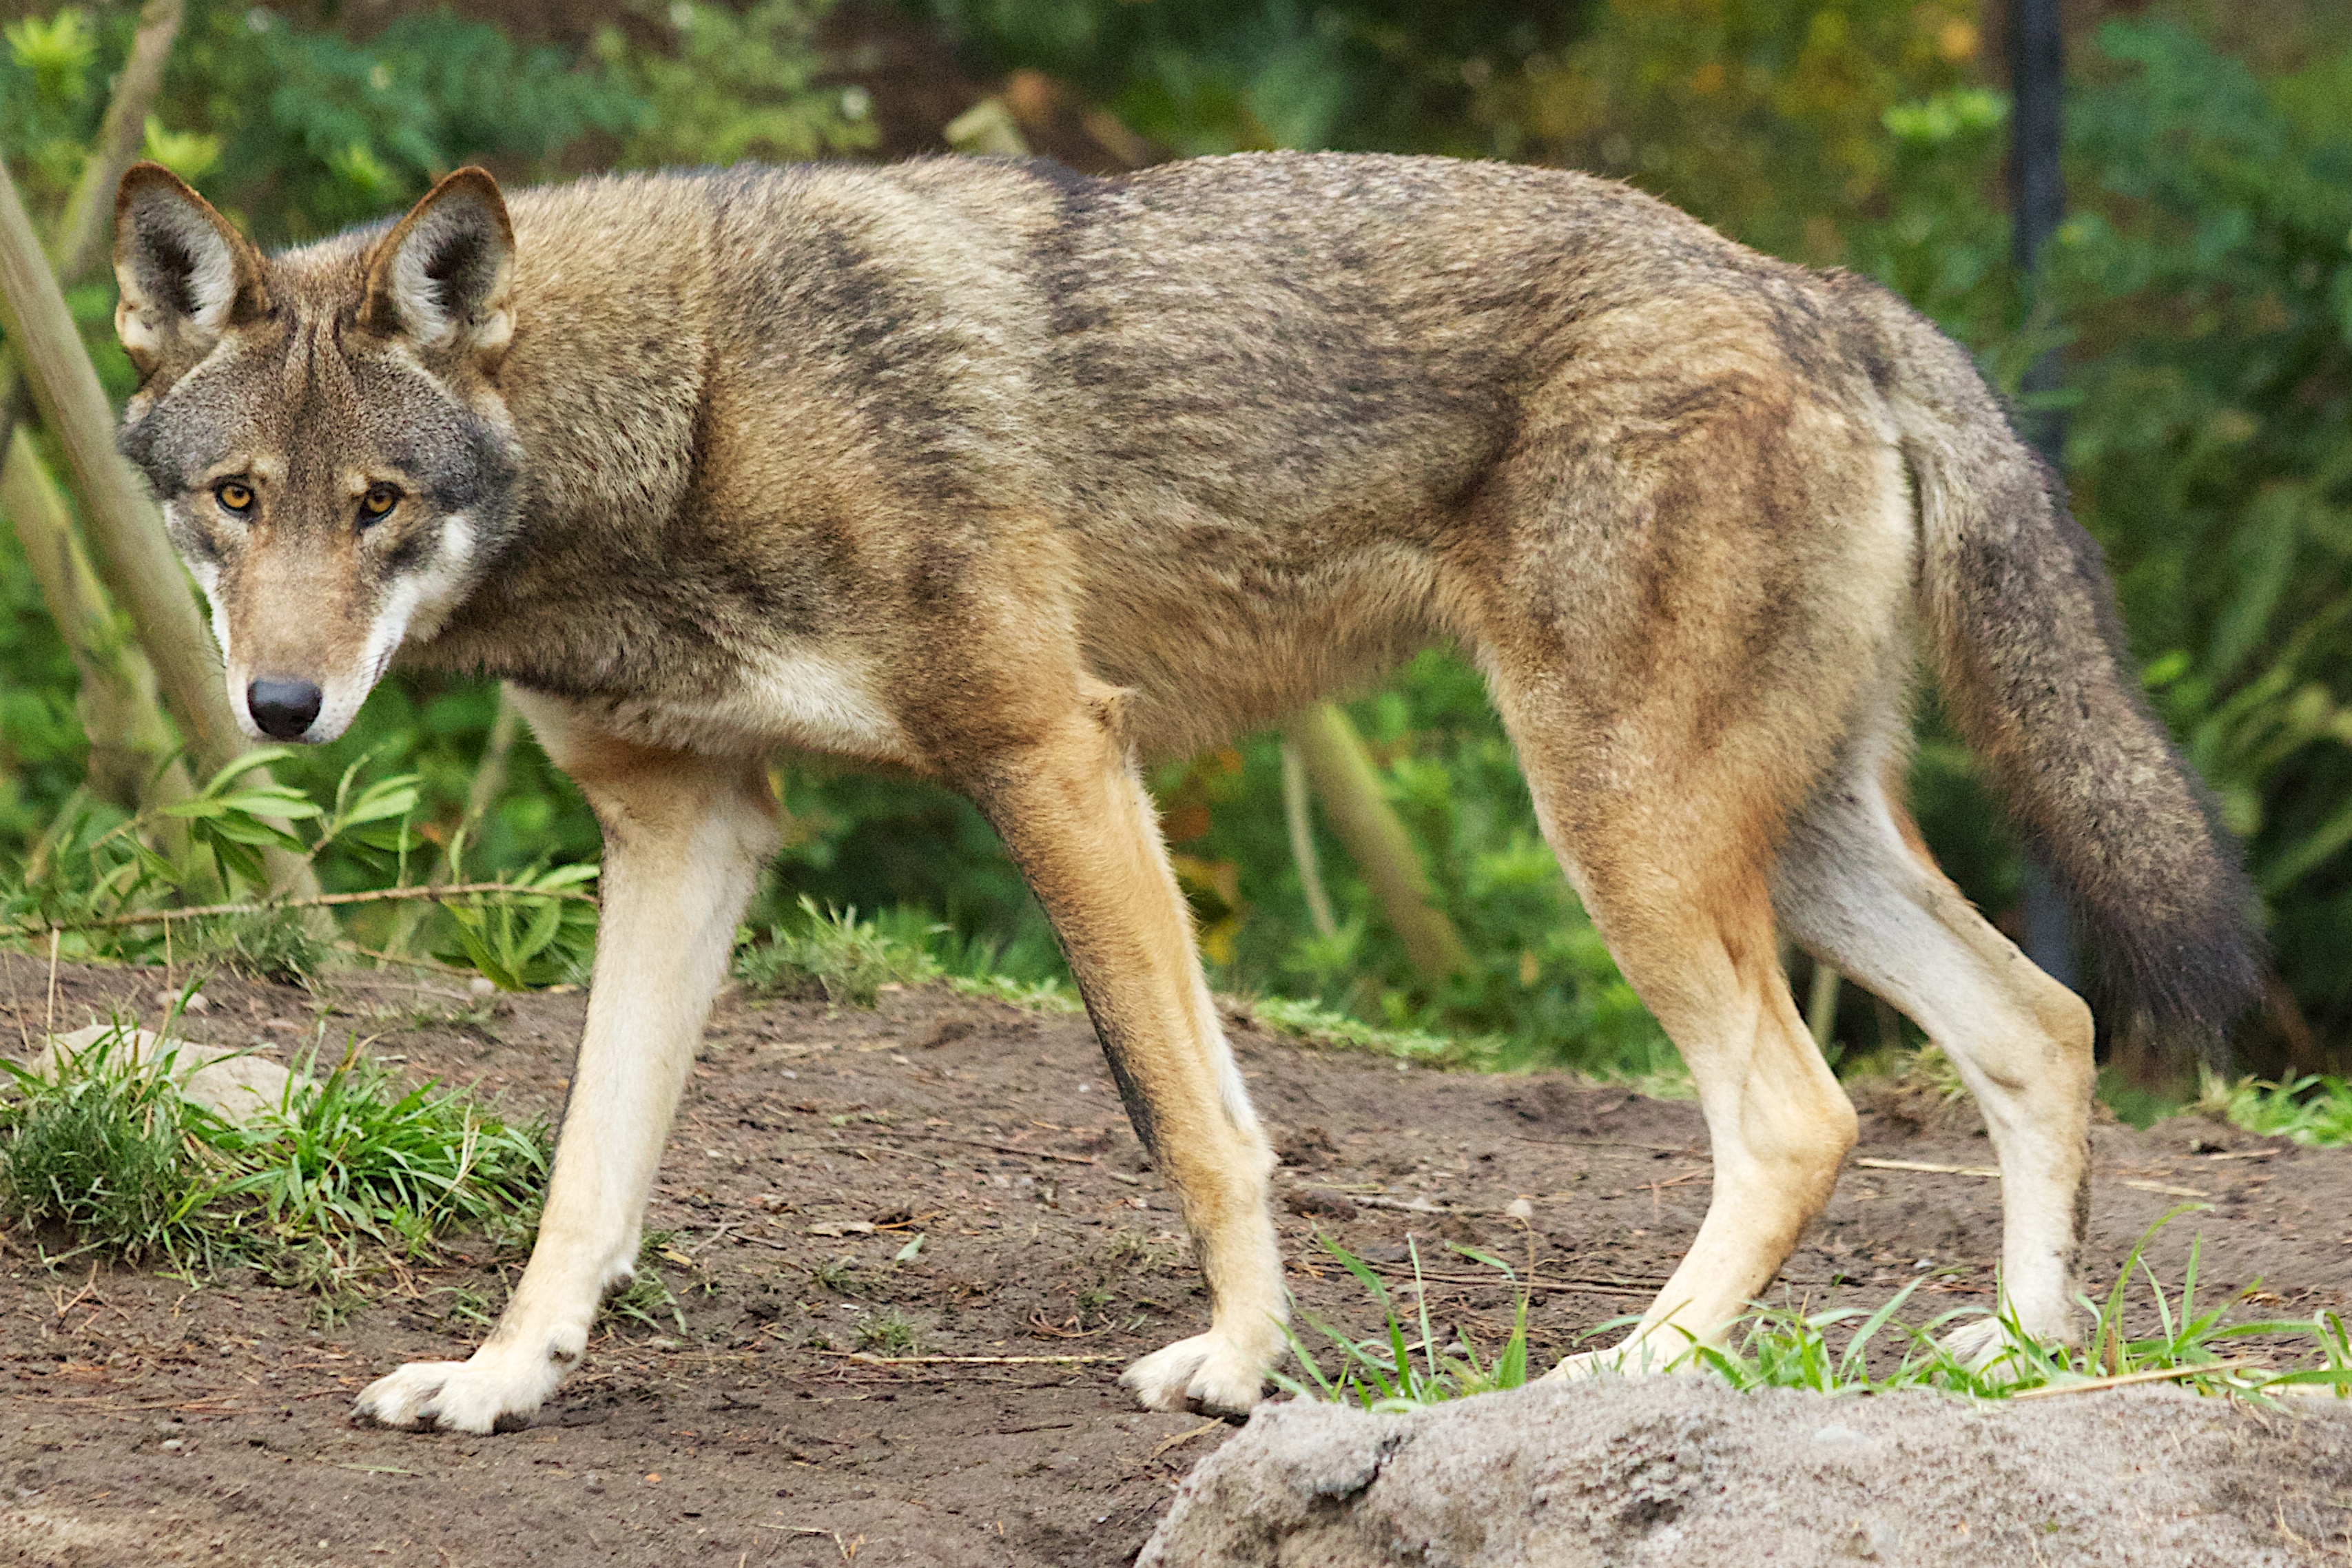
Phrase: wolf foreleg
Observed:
(1078, 821)
(684, 839)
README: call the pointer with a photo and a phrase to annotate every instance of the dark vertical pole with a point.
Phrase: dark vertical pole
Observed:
(2037, 201)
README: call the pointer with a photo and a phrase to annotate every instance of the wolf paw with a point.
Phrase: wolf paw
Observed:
(1635, 1358)
(487, 1394)
(1207, 1372)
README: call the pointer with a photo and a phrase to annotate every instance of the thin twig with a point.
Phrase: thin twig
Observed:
(2124, 1380)
(1927, 1169)
(315, 902)
(999, 1148)
(863, 1359)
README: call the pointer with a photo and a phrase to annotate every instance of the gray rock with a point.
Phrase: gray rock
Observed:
(1683, 1471)
(237, 1085)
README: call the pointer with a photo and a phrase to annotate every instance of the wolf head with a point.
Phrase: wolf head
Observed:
(323, 429)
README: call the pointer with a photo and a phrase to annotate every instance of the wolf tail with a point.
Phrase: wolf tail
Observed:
(2020, 619)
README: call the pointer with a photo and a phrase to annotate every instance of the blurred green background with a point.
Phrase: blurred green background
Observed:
(2200, 295)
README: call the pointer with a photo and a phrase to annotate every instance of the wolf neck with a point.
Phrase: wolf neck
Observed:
(605, 385)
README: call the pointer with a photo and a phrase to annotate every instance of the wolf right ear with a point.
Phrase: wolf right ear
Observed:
(186, 273)
(444, 278)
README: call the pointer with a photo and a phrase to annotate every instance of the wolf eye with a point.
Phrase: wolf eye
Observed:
(377, 504)
(233, 495)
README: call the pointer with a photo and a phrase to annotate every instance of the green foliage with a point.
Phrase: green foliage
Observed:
(834, 954)
(518, 941)
(348, 1158)
(648, 1297)
(741, 84)
(1779, 1347)
(104, 1150)
(317, 131)
(2314, 1110)
(1379, 1374)
(1223, 76)
(344, 1171)
(1324, 1026)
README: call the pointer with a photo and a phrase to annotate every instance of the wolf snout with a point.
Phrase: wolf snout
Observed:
(283, 709)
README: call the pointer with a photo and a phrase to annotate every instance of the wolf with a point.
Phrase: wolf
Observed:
(1014, 478)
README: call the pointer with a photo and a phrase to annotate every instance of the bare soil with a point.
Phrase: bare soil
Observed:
(149, 1419)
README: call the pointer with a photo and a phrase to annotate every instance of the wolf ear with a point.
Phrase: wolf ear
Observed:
(186, 275)
(444, 279)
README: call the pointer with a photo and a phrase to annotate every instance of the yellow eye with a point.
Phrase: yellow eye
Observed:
(233, 495)
(378, 503)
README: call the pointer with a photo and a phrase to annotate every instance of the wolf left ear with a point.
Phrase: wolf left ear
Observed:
(444, 279)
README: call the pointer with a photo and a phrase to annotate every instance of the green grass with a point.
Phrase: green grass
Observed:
(833, 954)
(1380, 1374)
(1849, 1351)
(345, 1173)
(109, 1150)
(890, 1333)
(1321, 1025)
(2310, 1110)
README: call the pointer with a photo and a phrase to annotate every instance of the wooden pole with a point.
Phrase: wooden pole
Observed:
(132, 753)
(1349, 788)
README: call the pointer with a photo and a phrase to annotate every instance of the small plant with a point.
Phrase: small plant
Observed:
(2314, 1112)
(1380, 1375)
(890, 1333)
(648, 1297)
(836, 956)
(839, 1276)
(533, 936)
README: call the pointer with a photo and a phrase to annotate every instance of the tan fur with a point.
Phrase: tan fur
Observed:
(1013, 478)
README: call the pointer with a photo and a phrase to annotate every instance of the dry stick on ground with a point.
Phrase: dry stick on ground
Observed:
(125, 532)
(1348, 784)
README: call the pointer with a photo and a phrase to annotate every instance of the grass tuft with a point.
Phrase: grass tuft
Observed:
(1380, 1375)
(110, 1150)
(1326, 1026)
(1777, 1347)
(344, 1175)
(2315, 1112)
(835, 956)
(890, 1333)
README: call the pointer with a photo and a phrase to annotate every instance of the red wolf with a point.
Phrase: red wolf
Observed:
(1012, 478)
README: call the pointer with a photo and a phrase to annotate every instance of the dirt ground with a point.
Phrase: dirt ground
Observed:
(145, 1419)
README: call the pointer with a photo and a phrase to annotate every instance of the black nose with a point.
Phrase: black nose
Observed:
(283, 709)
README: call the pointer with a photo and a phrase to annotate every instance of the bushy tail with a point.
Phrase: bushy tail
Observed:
(2030, 653)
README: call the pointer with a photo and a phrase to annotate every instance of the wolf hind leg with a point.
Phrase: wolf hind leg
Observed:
(1856, 887)
(1674, 879)
(1074, 815)
(684, 840)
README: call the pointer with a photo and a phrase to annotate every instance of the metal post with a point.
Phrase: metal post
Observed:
(2037, 202)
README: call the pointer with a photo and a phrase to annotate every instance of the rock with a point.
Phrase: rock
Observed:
(1678, 1470)
(236, 1085)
